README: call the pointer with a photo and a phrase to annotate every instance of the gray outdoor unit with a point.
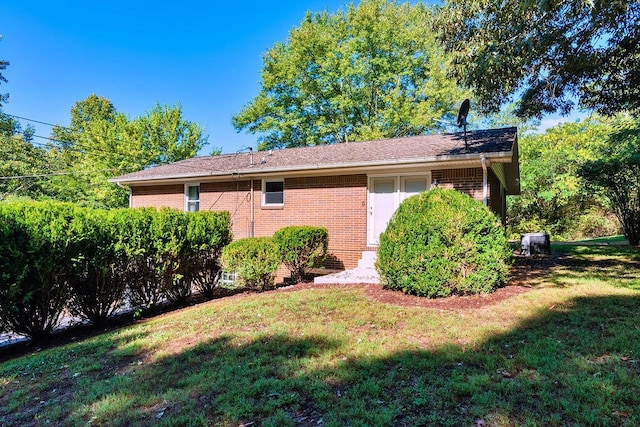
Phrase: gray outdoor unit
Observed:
(535, 244)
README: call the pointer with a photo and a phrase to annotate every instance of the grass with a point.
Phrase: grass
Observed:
(565, 353)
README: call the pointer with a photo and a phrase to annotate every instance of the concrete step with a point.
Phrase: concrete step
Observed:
(355, 276)
(365, 272)
(368, 260)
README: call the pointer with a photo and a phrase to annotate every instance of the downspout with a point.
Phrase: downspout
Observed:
(130, 194)
(252, 210)
(485, 191)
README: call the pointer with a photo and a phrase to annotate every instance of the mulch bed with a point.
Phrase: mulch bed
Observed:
(526, 270)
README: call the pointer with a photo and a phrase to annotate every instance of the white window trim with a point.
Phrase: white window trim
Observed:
(186, 194)
(228, 279)
(264, 188)
(403, 185)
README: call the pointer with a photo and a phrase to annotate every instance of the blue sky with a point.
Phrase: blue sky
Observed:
(206, 56)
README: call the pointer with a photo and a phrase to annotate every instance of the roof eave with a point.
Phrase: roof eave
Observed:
(499, 156)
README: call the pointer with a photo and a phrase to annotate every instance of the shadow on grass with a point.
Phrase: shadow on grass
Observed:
(618, 266)
(576, 364)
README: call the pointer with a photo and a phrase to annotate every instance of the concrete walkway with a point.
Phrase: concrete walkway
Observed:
(365, 272)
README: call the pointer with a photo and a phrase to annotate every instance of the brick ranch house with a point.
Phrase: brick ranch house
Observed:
(351, 189)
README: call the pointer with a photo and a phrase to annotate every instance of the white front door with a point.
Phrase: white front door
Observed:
(385, 195)
(382, 204)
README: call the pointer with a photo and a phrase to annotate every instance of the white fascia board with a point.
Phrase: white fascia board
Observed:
(439, 162)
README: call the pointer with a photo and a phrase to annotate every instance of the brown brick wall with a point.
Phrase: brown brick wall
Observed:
(171, 196)
(468, 181)
(335, 202)
(338, 203)
(232, 196)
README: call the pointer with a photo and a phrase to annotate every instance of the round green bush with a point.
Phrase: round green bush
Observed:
(254, 259)
(302, 248)
(442, 243)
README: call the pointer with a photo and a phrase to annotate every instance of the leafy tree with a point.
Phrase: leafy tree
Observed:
(92, 109)
(19, 158)
(617, 173)
(549, 53)
(553, 196)
(101, 142)
(167, 136)
(374, 71)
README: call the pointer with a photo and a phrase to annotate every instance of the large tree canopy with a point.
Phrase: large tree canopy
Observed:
(373, 71)
(616, 171)
(549, 53)
(553, 197)
(101, 142)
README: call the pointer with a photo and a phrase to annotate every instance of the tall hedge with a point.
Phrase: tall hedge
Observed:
(302, 248)
(168, 231)
(136, 256)
(207, 233)
(169, 253)
(97, 285)
(56, 256)
(441, 243)
(38, 244)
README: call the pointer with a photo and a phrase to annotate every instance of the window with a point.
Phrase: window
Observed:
(273, 192)
(228, 280)
(192, 198)
(413, 185)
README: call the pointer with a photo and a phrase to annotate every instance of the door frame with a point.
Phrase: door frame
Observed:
(399, 196)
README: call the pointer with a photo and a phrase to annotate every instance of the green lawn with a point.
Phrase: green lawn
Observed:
(567, 352)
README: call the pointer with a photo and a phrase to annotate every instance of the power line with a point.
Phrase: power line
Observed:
(34, 121)
(72, 146)
(46, 175)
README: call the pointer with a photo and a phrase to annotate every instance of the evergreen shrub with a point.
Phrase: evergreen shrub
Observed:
(56, 256)
(168, 231)
(302, 248)
(254, 259)
(97, 285)
(440, 243)
(136, 256)
(207, 233)
(38, 244)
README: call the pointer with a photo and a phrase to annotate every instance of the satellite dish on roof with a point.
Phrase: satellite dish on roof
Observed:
(463, 112)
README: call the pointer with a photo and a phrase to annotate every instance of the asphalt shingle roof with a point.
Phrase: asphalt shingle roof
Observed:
(391, 151)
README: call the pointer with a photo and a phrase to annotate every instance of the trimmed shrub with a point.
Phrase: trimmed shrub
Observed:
(135, 255)
(302, 248)
(442, 243)
(55, 255)
(169, 231)
(97, 287)
(254, 259)
(207, 234)
(36, 250)
(166, 253)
